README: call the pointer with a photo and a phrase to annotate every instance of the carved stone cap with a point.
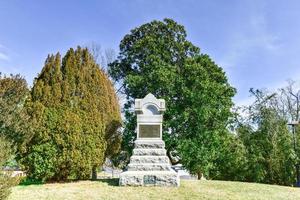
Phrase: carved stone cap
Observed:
(150, 105)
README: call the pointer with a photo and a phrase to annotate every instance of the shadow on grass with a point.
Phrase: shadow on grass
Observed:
(26, 182)
(109, 181)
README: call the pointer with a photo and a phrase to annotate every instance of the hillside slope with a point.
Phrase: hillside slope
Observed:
(108, 189)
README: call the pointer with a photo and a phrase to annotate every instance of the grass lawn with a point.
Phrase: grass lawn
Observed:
(189, 189)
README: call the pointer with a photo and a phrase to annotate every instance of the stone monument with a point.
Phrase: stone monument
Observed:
(149, 165)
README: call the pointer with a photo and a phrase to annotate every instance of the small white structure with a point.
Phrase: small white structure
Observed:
(149, 165)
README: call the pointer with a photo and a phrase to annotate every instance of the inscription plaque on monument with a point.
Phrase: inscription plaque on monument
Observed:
(149, 180)
(149, 131)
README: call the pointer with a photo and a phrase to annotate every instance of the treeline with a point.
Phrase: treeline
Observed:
(68, 123)
(202, 129)
(268, 151)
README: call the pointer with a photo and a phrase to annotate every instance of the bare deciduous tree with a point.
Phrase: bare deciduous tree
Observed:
(103, 59)
(288, 101)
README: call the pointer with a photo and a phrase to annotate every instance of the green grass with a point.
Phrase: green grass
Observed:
(109, 189)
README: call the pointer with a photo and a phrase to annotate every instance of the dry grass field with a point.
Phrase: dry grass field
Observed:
(189, 189)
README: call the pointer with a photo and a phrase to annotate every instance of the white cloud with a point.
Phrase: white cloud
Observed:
(3, 55)
(249, 39)
(253, 35)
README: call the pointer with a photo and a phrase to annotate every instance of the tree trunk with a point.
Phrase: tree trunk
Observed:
(94, 173)
(199, 175)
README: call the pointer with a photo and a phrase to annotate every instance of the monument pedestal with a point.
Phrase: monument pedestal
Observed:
(149, 166)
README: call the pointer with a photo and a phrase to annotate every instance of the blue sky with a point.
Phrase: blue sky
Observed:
(257, 42)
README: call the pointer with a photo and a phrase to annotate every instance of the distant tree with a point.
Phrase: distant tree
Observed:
(100, 57)
(231, 163)
(288, 105)
(268, 143)
(74, 115)
(287, 101)
(156, 57)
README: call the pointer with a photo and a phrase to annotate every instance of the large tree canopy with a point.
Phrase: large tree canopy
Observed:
(156, 57)
(74, 117)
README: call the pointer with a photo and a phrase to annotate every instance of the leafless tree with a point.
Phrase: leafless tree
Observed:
(103, 59)
(289, 101)
(285, 100)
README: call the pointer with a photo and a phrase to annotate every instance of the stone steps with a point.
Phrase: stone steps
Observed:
(149, 144)
(149, 167)
(149, 152)
(149, 159)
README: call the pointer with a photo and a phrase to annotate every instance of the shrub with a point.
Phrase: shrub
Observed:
(6, 181)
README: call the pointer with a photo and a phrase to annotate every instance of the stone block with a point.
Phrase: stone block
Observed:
(149, 159)
(158, 178)
(149, 152)
(149, 144)
(149, 167)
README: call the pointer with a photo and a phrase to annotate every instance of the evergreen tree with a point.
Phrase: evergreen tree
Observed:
(74, 115)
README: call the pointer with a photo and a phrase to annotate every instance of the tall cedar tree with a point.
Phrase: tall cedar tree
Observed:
(156, 57)
(74, 115)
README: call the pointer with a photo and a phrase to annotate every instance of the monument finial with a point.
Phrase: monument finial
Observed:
(147, 100)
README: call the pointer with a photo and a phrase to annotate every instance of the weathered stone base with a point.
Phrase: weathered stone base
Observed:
(149, 166)
(141, 178)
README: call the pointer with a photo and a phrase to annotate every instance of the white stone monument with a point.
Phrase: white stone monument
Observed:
(149, 165)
